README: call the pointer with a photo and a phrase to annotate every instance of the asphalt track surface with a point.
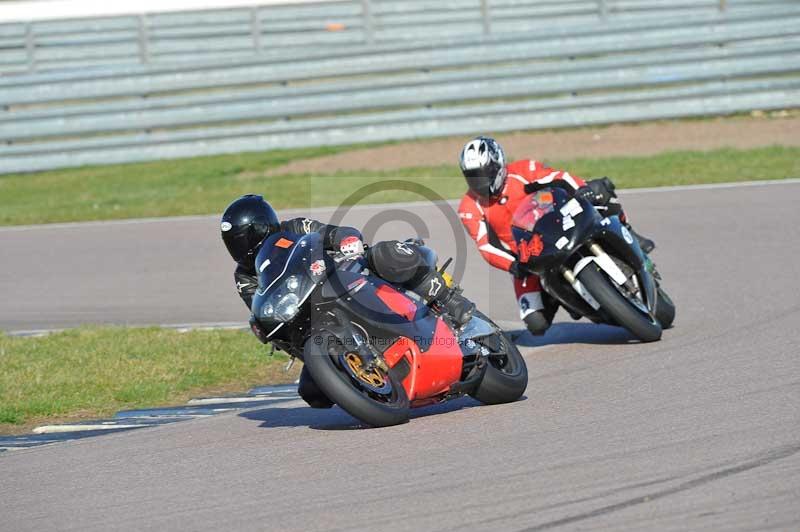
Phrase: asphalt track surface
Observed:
(700, 431)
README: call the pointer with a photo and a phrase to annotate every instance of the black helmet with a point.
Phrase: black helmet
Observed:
(483, 163)
(245, 224)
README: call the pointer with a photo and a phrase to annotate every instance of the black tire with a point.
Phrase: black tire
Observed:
(665, 309)
(339, 388)
(506, 376)
(620, 309)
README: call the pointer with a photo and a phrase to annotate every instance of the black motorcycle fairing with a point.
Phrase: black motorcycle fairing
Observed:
(382, 321)
(289, 267)
(338, 292)
(618, 241)
(541, 223)
(611, 233)
(550, 227)
(292, 267)
(341, 282)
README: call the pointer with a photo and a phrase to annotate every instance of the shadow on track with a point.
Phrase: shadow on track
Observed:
(574, 333)
(337, 419)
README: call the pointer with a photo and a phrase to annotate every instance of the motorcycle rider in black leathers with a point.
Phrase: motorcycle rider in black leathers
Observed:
(249, 220)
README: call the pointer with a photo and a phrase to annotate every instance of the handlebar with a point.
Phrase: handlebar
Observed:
(534, 187)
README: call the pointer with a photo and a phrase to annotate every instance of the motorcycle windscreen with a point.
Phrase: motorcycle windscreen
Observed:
(289, 266)
(534, 208)
(545, 225)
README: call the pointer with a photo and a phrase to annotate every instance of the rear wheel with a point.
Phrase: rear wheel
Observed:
(372, 395)
(624, 312)
(506, 376)
(665, 309)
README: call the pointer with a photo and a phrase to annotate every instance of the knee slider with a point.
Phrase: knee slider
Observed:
(537, 323)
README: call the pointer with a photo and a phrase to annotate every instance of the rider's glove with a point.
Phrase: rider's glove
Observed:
(351, 247)
(520, 270)
(598, 192)
(586, 193)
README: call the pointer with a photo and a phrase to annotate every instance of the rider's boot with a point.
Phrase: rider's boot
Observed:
(308, 390)
(434, 290)
(539, 321)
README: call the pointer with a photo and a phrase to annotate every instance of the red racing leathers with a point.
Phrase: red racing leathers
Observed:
(488, 222)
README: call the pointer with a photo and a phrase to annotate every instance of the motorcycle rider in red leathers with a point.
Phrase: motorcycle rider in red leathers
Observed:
(496, 190)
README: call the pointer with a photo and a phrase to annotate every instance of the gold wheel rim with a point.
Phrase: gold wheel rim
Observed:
(372, 377)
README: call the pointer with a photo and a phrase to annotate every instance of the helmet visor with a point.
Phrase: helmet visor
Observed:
(478, 182)
(238, 244)
(487, 181)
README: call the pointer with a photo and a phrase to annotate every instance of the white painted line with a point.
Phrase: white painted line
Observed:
(214, 218)
(209, 326)
(33, 333)
(232, 400)
(53, 429)
(712, 186)
(372, 206)
(106, 223)
(179, 327)
(157, 418)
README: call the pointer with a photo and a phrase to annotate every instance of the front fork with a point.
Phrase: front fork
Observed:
(602, 258)
(607, 264)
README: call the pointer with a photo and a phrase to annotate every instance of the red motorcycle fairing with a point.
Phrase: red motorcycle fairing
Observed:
(433, 371)
(424, 340)
(397, 301)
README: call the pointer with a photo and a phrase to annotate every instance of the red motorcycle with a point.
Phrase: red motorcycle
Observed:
(372, 348)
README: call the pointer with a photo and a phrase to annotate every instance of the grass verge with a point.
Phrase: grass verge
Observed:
(93, 372)
(206, 185)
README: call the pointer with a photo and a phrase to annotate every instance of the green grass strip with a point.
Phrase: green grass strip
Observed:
(92, 372)
(205, 185)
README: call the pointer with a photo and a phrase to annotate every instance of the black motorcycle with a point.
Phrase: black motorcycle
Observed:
(590, 264)
(370, 347)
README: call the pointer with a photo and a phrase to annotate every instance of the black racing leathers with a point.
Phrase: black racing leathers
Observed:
(245, 274)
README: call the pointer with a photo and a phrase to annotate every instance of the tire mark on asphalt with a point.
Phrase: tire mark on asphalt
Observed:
(405, 489)
(766, 458)
(773, 388)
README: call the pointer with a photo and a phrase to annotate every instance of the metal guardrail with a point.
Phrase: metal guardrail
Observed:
(405, 92)
(522, 26)
(152, 38)
(528, 47)
(634, 67)
(280, 94)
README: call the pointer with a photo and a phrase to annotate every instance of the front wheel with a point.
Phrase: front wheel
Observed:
(617, 306)
(373, 396)
(506, 376)
(665, 309)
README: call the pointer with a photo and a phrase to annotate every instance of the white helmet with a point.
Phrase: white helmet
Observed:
(483, 164)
